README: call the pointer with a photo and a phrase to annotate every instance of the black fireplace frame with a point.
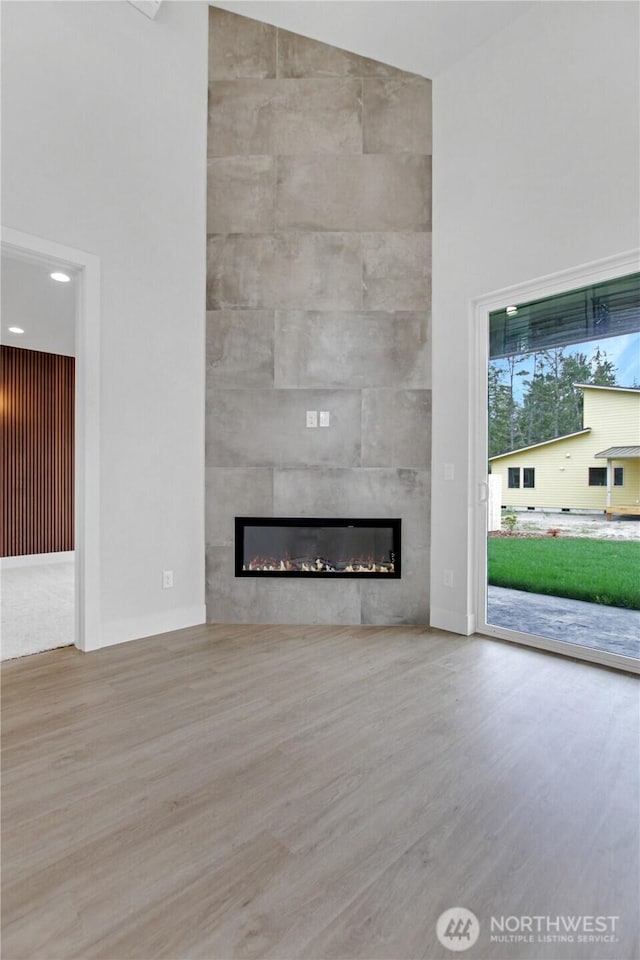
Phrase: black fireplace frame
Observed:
(395, 524)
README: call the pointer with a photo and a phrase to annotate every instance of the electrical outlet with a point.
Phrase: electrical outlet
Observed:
(167, 579)
(312, 418)
(447, 578)
(325, 418)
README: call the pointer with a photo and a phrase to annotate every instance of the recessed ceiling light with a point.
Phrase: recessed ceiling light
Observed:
(511, 311)
(16, 330)
(60, 277)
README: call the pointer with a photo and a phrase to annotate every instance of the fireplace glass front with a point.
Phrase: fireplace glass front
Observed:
(303, 547)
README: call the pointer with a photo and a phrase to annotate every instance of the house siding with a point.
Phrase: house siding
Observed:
(562, 467)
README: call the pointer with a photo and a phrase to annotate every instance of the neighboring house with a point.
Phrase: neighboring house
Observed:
(595, 468)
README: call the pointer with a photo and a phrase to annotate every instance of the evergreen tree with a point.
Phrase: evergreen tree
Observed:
(603, 371)
(499, 413)
(551, 404)
(504, 408)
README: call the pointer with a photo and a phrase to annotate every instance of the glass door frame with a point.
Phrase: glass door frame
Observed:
(563, 282)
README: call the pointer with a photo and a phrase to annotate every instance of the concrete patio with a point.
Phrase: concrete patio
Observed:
(574, 621)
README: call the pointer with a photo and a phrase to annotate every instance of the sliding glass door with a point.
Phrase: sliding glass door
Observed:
(559, 528)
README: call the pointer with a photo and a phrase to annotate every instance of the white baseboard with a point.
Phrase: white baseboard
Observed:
(463, 623)
(137, 628)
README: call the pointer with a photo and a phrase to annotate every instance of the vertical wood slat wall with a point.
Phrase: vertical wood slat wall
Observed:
(37, 447)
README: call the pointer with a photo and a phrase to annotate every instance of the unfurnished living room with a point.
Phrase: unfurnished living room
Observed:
(267, 268)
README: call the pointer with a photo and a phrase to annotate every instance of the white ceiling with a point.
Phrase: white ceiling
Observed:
(44, 308)
(421, 36)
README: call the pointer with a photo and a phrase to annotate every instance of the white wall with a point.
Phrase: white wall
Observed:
(535, 170)
(104, 150)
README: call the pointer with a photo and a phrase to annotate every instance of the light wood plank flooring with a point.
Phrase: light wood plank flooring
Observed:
(313, 792)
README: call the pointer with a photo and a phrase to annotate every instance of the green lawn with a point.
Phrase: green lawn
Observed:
(600, 571)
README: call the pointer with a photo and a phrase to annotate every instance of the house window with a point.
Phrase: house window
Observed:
(597, 476)
(514, 478)
(618, 476)
(529, 477)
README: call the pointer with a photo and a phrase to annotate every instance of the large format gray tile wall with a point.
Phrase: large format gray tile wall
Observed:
(318, 298)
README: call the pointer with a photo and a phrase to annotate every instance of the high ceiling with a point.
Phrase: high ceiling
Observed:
(421, 36)
(43, 308)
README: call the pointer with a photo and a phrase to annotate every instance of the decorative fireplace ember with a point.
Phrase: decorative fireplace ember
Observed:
(303, 547)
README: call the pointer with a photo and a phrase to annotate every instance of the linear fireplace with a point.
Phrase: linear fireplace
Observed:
(304, 547)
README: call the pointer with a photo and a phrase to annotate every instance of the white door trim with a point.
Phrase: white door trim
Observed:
(87, 423)
(562, 282)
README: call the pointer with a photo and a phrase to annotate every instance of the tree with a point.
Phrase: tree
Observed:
(499, 413)
(551, 404)
(504, 407)
(603, 371)
(513, 362)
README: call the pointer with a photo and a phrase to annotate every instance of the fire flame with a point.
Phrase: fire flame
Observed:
(319, 565)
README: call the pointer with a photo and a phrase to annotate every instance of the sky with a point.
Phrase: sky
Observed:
(624, 353)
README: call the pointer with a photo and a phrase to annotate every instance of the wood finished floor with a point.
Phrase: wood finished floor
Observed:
(312, 792)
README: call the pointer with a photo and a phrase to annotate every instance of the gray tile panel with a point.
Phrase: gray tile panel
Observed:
(235, 492)
(281, 117)
(351, 349)
(360, 193)
(247, 600)
(240, 348)
(240, 194)
(400, 601)
(300, 57)
(396, 428)
(366, 493)
(397, 115)
(396, 271)
(240, 47)
(267, 428)
(294, 270)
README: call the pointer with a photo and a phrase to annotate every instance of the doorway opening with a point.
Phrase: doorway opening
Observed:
(558, 531)
(37, 372)
(50, 411)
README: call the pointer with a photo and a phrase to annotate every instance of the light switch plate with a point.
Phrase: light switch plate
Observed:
(312, 418)
(325, 418)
